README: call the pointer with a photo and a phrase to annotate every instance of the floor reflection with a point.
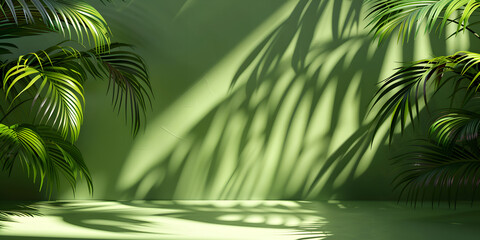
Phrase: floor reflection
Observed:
(225, 220)
(170, 220)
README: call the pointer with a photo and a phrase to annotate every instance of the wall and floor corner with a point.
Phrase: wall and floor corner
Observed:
(294, 125)
(254, 100)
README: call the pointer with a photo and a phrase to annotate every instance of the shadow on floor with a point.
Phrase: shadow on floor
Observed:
(243, 220)
(10, 210)
(171, 220)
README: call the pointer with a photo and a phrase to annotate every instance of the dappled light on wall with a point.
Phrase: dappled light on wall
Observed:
(282, 116)
(280, 112)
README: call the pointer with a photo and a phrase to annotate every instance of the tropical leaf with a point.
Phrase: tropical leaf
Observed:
(436, 172)
(448, 163)
(58, 86)
(54, 79)
(126, 72)
(9, 29)
(67, 17)
(455, 127)
(65, 157)
(43, 153)
(128, 82)
(407, 16)
(127, 75)
(25, 144)
(470, 62)
(401, 92)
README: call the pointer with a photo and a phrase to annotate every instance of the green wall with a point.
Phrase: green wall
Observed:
(294, 126)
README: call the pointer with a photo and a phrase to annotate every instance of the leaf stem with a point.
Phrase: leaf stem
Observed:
(469, 29)
(12, 109)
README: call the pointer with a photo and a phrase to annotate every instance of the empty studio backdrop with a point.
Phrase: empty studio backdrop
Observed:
(253, 100)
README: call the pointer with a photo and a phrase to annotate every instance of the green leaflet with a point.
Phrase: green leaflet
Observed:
(62, 93)
(407, 16)
(449, 160)
(43, 153)
(55, 78)
(52, 81)
(71, 18)
(403, 91)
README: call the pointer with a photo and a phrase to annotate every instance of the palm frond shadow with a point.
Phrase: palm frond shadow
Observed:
(132, 15)
(148, 217)
(303, 220)
(276, 135)
(9, 210)
(78, 215)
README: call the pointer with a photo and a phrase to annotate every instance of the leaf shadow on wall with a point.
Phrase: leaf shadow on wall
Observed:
(293, 125)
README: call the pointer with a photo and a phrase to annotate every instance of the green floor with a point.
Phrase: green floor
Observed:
(237, 220)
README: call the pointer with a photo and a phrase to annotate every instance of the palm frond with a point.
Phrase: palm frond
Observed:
(9, 30)
(18, 142)
(127, 76)
(65, 157)
(407, 16)
(43, 152)
(54, 79)
(455, 127)
(59, 86)
(471, 64)
(431, 171)
(128, 82)
(402, 91)
(66, 17)
(126, 73)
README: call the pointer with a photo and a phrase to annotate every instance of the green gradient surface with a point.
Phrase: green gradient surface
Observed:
(239, 220)
(294, 126)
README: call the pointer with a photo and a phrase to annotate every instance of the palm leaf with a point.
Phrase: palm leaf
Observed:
(402, 91)
(470, 62)
(455, 127)
(43, 153)
(407, 16)
(66, 17)
(59, 86)
(54, 79)
(66, 158)
(128, 82)
(126, 73)
(18, 142)
(431, 170)
(9, 29)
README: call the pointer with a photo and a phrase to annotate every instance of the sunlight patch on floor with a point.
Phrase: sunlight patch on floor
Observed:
(245, 220)
(169, 220)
